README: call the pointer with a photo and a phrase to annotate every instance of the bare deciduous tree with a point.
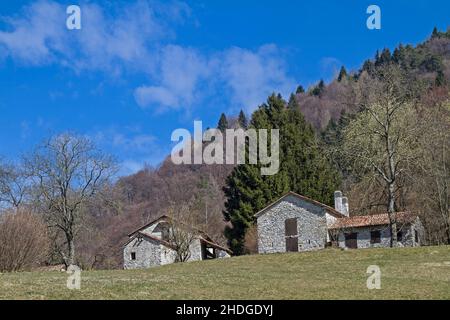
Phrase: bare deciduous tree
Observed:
(433, 174)
(13, 185)
(182, 231)
(67, 171)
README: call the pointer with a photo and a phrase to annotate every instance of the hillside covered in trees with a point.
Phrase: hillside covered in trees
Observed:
(331, 137)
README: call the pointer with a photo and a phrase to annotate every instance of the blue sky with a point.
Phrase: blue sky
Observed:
(137, 70)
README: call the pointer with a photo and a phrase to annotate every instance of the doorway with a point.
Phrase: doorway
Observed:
(291, 235)
(351, 240)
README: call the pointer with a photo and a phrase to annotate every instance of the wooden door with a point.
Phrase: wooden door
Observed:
(291, 235)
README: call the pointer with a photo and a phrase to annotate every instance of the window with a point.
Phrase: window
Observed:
(133, 256)
(351, 240)
(375, 237)
(399, 235)
(416, 236)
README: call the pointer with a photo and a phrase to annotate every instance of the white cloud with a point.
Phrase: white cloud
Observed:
(109, 39)
(138, 38)
(252, 76)
(137, 143)
(36, 35)
(181, 71)
(147, 95)
(134, 147)
(330, 67)
(248, 76)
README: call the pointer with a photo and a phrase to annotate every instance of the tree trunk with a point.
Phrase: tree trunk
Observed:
(69, 259)
(390, 150)
(448, 230)
(392, 214)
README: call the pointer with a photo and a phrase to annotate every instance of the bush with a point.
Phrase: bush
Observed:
(251, 240)
(23, 241)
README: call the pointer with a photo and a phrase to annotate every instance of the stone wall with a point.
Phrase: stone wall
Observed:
(311, 226)
(148, 254)
(363, 237)
(151, 253)
(168, 255)
(196, 250)
(330, 221)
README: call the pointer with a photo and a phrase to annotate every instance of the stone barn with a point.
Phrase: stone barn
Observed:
(150, 246)
(297, 223)
(294, 223)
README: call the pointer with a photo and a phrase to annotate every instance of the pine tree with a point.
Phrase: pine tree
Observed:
(223, 123)
(332, 138)
(292, 101)
(440, 79)
(318, 90)
(300, 89)
(383, 58)
(398, 54)
(303, 169)
(386, 56)
(377, 57)
(435, 33)
(369, 67)
(242, 120)
(342, 74)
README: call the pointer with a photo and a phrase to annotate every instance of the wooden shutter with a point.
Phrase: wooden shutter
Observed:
(290, 227)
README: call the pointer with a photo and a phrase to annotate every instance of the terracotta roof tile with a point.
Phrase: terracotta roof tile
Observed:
(371, 220)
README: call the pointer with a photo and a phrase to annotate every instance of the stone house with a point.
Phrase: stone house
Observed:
(150, 246)
(374, 231)
(297, 223)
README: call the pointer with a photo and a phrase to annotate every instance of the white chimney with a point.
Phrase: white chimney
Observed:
(341, 203)
(338, 201)
(345, 207)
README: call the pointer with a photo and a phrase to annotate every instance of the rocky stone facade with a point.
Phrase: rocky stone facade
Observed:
(143, 253)
(296, 223)
(311, 225)
(411, 235)
(148, 248)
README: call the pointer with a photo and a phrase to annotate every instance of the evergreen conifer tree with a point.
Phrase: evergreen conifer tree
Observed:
(303, 169)
(242, 120)
(342, 74)
(299, 90)
(223, 123)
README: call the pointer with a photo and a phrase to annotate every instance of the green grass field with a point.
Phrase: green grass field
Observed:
(407, 273)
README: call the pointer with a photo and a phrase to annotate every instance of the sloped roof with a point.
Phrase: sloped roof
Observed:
(149, 237)
(371, 220)
(329, 209)
(148, 224)
(202, 235)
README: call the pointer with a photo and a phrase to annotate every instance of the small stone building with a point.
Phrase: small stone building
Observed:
(294, 223)
(150, 246)
(374, 231)
(297, 223)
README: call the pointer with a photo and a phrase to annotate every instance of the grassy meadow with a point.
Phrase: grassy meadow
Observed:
(407, 273)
